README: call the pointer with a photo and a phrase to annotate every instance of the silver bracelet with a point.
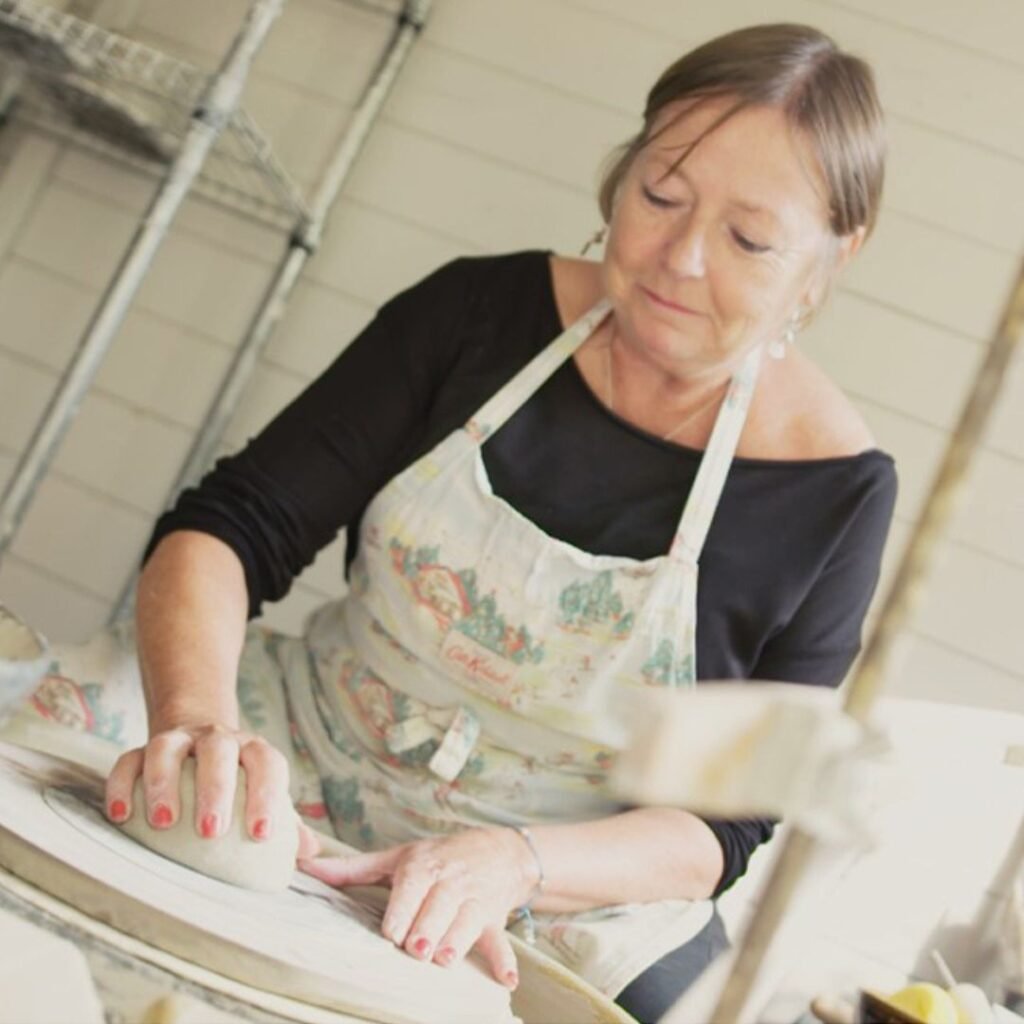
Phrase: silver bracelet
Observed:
(524, 913)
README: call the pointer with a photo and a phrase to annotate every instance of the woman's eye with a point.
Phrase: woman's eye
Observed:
(655, 200)
(747, 244)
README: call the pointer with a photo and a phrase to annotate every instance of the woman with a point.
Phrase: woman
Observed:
(525, 523)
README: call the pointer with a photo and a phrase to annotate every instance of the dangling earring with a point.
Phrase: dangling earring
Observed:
(595, 239)
(777, 346)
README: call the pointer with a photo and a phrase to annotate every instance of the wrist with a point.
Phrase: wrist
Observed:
(532, 873)
(168, 715)
(530, 864)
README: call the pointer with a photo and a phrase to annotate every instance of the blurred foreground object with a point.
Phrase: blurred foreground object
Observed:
(744, 984)
(32, 959)
(756, 748)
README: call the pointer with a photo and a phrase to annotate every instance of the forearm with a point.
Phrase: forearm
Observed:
(191, 613)
(639, 856)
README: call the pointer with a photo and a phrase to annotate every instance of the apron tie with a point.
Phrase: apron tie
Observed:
(456, 732)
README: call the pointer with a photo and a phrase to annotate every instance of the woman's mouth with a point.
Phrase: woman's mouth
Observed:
(667, 303)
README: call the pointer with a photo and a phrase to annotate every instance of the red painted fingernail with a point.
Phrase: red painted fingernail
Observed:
(261, 828)
(208, 826)
(445, 956)
(511, 979)
(421, 947)
(161, 816)
(118, 810)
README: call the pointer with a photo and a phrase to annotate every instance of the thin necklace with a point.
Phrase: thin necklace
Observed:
(691, 415)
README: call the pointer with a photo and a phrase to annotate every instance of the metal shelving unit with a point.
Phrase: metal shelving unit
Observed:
(79, 81)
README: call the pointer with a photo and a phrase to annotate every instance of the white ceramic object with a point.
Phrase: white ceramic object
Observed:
(971, 1004)
(23, 660)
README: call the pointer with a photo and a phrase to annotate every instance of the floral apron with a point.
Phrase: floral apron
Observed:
(478, 672)
(482, 672)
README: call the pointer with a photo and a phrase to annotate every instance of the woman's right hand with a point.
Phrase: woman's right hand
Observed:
(218, 752)
(190, 615)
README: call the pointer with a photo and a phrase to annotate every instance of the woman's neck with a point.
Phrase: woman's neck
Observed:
(669, 403)
(678, 403)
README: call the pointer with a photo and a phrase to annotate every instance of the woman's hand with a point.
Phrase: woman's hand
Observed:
(218, 752)
(447, 895)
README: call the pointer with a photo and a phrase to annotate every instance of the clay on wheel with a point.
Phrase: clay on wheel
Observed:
(265, 864)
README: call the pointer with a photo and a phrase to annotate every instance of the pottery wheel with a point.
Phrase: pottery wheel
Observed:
(310, 943)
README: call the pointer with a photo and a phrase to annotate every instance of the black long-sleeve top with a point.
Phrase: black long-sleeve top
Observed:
(790, 562)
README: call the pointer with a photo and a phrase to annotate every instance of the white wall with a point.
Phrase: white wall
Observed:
(490, 143)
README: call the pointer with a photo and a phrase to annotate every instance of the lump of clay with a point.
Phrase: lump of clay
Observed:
(264, 864)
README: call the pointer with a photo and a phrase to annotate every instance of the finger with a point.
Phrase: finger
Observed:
(121, 783)
(216, 752)
(411, 883)
(463, 932)
(436, 916)
(161, 775)
(496, 947)
(363, 869)
(309, 842)
(266, 777)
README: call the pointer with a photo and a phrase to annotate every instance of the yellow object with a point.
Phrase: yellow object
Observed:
(926, 1002)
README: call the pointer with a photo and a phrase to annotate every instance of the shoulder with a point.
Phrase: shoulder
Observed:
(802, 414)
(467, 278)
(577, 285)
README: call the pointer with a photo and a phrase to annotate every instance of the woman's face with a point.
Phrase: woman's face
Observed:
(705, 261)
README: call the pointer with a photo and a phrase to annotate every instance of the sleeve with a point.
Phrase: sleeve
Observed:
(738, 837)
(821, 641)
(293, 487)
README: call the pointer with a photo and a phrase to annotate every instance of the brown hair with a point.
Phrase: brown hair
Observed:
(828, 95)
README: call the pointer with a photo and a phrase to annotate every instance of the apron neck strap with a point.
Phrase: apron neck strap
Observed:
(714, 466)
(492, 415)
(707, 487)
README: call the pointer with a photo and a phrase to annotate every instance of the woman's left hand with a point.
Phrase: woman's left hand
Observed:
(448, 895)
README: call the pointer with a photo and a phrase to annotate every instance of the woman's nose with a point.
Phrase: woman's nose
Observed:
(686, 250)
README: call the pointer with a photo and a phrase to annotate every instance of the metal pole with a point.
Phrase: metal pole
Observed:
(303, 243)
(799, 848)
(208, 121)
(10, 86)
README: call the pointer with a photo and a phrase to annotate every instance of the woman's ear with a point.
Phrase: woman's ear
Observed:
(849, 245)
(842, 250)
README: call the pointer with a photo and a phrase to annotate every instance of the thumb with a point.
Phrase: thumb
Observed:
(362, 869)
(496, 948)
